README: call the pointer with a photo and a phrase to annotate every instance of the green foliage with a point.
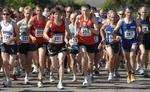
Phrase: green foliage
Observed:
(119, 4)
(17, 3)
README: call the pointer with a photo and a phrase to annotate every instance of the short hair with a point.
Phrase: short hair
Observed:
(27, 8)
(86, 6)
(56, 9)
(8, 10)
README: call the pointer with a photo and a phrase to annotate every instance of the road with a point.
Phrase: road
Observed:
(100, 84)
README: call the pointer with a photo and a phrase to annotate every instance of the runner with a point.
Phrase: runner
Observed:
(56, 32)
(145, 42)
(87, 28)
(24, 46)
(112, 45)
(129, 33)
(37, 24)
(9, 47)
(74, 48)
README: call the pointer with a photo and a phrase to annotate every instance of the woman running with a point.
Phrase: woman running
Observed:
(111, 44)
(24, 46)
(9, 45)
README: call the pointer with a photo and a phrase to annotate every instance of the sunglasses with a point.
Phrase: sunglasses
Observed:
(38, 10)
(68, 11)
(5, 14)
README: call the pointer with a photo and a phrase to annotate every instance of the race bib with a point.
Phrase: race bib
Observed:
(58, 38)
(145, 29)
(111, 38)
(24, 39)
(85, 31)
(129, 34)
(39, 32)
(7, 36)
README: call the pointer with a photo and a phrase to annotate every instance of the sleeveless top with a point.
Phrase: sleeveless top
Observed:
(128, 31)
(85, 36)
(23, 31)
(8, 32)
(57, 32)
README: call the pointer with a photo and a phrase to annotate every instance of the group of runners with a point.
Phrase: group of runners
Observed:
(62, 38)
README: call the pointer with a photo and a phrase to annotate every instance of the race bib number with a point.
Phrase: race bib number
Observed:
(110, 38)
(129, 34)
(24, 39)
(85, 31)
(39, 32)
(7, 36)
(58, 38)
(145, 29)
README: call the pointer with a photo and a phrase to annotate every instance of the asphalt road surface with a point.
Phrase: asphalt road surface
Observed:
(100, 84)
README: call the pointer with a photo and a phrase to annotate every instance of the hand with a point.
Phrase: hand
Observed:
(51, 40)
(33, 39)
(12, 39)
(118, 38)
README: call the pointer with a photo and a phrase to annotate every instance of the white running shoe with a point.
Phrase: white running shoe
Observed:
(110, 77)
(141, 71)
(60, 86)
(40, 84)
(51, 78)
(74, 78)
(35, 69)
(26, 80)
(87, 81)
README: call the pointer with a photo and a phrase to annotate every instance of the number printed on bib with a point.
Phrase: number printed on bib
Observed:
(39, 32)
(111, 38)
(58, 38)
(85, 31)
(129, 34)
(7, 36)
(24, 39)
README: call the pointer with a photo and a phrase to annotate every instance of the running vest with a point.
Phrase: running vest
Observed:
(23, 34)
(38, 28)
(7, 31)
(57, 32)
(73, 40)
(109, 34)
(128, 31)
(85, 36)
(145, 26)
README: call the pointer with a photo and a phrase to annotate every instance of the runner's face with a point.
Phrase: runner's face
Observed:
(57, 15)
(143, 12)
(112, 17)
(38, 11)
(68, 11)
(6, 15)
(128, 13)
(27, 13)
(85, 11)
(72, 18)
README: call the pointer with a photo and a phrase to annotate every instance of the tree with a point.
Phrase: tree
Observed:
(118, 4)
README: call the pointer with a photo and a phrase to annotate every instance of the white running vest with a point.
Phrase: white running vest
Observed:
(7, 32)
